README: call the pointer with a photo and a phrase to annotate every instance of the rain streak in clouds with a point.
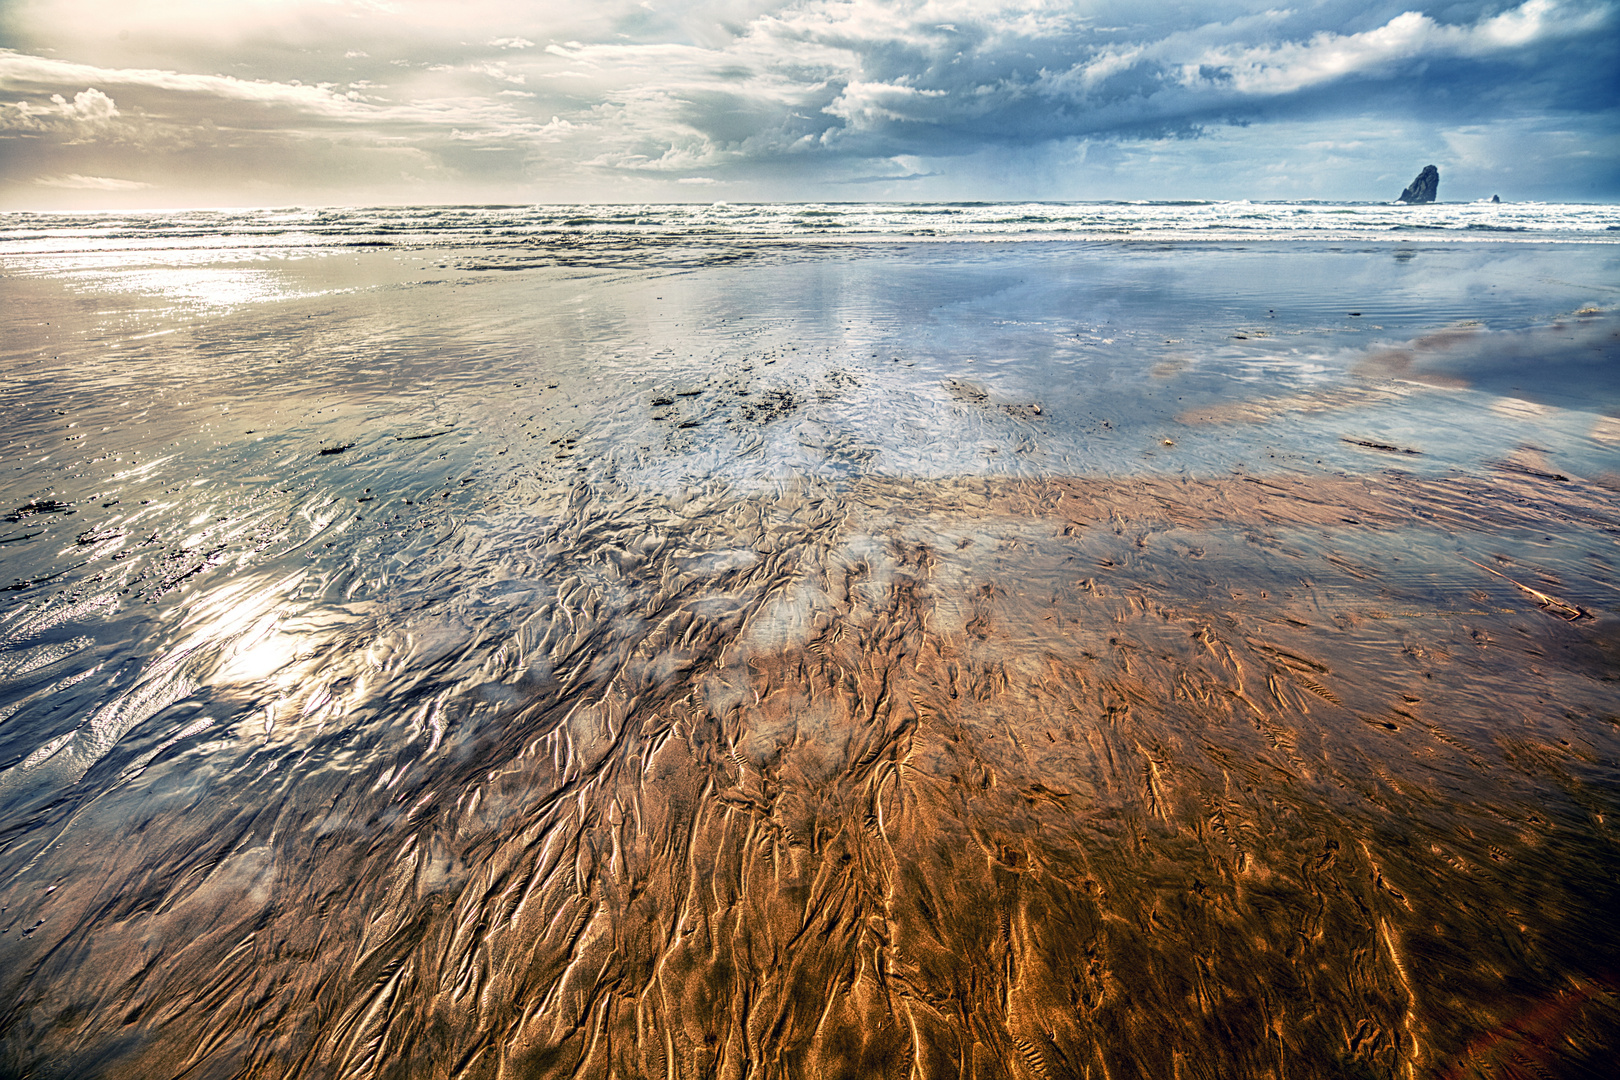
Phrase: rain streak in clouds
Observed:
(363, 100)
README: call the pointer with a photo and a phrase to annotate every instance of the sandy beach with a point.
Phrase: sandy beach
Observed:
(1059, 658)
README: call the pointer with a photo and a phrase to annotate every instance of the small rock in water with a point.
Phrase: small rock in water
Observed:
(1424, 188)
(1496, 198)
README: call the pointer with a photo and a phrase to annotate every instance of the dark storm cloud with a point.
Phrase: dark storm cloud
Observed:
(946, 78)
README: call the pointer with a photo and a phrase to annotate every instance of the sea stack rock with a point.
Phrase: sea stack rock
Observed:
(1424, 188)
(1496, 198)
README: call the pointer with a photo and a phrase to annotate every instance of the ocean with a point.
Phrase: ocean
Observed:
(972, 640)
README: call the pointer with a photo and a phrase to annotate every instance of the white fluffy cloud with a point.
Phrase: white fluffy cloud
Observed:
(90, 111)
(19, 68)
(1291, 66)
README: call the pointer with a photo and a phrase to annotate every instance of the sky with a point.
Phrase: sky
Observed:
(108, 104)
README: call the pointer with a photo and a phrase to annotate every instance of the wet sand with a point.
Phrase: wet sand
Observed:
(1068, 661)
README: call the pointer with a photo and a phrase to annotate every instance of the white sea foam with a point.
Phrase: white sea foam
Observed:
(90, 235)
